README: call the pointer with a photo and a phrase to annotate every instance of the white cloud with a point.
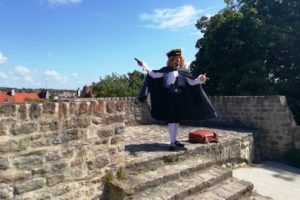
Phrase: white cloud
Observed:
(3, 75)
(54, 75)
(3, 59)
(21, 70)
(74, 74)
(174, 19)
(24, 73)
(63, 2)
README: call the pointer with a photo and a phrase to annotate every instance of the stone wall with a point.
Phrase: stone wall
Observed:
(269, 113)
(296, 137)
(137, 112)
(63, 150)
(60, 150)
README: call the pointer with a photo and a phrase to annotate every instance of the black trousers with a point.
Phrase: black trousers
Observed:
(175, 107)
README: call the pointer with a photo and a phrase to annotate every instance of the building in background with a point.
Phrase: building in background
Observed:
(17, 97)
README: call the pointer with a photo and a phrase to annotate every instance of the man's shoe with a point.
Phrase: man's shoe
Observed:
(178, 144)
(172, 147)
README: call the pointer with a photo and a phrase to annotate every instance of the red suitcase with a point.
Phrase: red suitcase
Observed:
(203, 136)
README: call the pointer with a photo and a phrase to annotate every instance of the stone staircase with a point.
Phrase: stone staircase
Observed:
(199, 171)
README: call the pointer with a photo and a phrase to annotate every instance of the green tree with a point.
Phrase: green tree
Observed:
(116, 85)
(136, 80)
(252, 48)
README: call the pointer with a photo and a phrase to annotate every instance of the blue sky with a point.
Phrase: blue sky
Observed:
(69, 43)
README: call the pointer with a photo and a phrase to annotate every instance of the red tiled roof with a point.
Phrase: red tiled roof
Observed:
(5, 98)
(18, 98)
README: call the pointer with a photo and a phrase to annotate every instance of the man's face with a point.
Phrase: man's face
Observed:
(177, 60)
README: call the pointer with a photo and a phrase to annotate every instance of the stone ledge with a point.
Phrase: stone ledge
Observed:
(170, 171)
(228, 189)
(147, 146)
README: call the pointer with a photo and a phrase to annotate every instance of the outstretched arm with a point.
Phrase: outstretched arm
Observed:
(149, 71)
(200, 80)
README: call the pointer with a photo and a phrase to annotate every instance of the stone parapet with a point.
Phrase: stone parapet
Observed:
(296, 137)
(60, 150)
(269, 113)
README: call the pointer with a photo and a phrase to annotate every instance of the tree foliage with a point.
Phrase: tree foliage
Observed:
(251, 47)
(116, 85)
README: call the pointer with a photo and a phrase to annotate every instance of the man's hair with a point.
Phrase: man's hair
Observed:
(172, 61)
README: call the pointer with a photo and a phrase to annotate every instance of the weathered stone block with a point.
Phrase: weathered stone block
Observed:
(117, 159)
(3, 128)
(114, 119)
(93, 107)
(35, 111)
(40, 143)
(106, 131)
(99, 162)
(41, 171)
(103, 141)
(113, 150)
(58, 139)
(71, 134)
(97, 120)
(120, 106)
(63, 110)
(23, 111)
(101, 107)
(55, 179)
(77, 162)
(6, 192)
(78, 172)
(82, 152)
(296, 137)
(49, 125)
(117, 139)
(89, 134)
(70, 123)
(34, 195)
(30, 185)
(62, 189)
(83, 108)
(49, 108)
(52, 156)
(10, 145)
(58, 168)
(4, 163)
(84, 121)
(68, 152)
(12, 175)
(23, 128)
(8, 110)
(27, 162)
(111, 107)
(120, 130)
(73, 107)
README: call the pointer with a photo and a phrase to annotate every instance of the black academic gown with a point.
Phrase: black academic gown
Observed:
(194, 103)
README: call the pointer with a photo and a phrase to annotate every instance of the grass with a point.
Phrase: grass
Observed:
(122, 174)
(172, 160)
(109, 177)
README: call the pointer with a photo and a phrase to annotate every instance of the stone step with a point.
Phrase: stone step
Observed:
(146, 147)
(230, 189)
(183, 185)
(171, 170)
(256, 196)
(156, 161)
